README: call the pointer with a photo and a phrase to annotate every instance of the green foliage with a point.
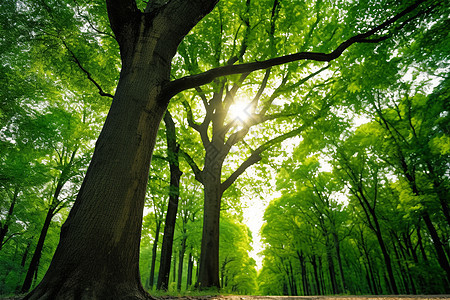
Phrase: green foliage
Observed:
(58, 55)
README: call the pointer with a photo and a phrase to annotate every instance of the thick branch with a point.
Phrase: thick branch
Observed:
(188, 82)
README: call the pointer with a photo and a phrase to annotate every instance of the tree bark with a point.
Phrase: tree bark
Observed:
(5, 226)
(209, 256)
(172, 207)
(189, 272)
(98, 253)
(442, 258)
(339, 260)
(181, 260)
(37, 252)
(318, 289)
(151, 278)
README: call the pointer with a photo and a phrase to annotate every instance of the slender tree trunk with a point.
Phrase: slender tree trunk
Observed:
(37, 252)
(339, 261)
(189, 271)
(401, 269)
(316, 275)
(305, 285)
(181, 260)
(25, 254)
(321, 276)
(172, 208)
(151, 279)
(369, 266)
(420, 243)
(5, 226)
(386, 256)
(174, 274)
(292, 281)
(442, 258)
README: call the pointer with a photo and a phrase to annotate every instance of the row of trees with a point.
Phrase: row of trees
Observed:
(51, 116)
(375, 220)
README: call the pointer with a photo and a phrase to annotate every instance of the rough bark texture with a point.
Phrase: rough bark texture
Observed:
(98, 253)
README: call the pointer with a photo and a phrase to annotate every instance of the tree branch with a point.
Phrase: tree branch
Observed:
(190, 115)
(255, 156)
(197, 172)
(88, 74)
(174, 87)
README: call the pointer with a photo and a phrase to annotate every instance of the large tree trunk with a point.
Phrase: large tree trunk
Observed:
(209, 257)
(98, 253)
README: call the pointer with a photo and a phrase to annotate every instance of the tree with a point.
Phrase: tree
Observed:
(172, 206)
(97, 256)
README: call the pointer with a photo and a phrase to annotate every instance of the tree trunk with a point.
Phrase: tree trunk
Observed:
(331, 271)
(37, 252)
(189, 272)
(339, 260)
(401, 269)
(318, 290)
(174, 276)
(384, 251)
(151, 278)
(181, 260)
(420, 243)
(172, 207)
(292, 282)
(305, 284)
(442, 258)
(5, 226)
(25, 254)
(98, 253)
(209, 256)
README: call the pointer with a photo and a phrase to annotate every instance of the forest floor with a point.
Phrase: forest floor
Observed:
(349, 297)
(245, 297)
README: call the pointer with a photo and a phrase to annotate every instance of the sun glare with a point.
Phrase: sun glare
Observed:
(240, 111)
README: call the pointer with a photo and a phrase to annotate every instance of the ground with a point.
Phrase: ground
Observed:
(242, 297)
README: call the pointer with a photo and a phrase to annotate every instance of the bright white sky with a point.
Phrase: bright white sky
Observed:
(253, 218)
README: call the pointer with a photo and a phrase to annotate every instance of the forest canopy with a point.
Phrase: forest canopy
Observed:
(137, 139)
